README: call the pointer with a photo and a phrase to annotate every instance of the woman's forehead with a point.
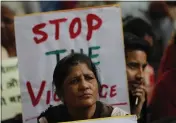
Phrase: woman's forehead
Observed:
(80, 68)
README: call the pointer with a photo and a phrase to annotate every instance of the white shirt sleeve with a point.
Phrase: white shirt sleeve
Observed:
(43, 120)
(118, 112)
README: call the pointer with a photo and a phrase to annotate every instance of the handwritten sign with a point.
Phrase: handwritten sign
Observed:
(11, 97)
(123, 119)
(45, 38)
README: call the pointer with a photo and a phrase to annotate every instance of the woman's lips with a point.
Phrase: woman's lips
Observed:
(85, 96)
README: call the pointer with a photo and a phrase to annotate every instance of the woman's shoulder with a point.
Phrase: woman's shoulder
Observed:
(52, 113)
(113, 111)
(59, 113)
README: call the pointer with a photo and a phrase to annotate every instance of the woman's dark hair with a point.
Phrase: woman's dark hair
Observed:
(132, 42)
(63, 67)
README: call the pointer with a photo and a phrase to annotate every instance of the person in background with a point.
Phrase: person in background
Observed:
(16, 7)
(46, 6)
(137, 53)
(77, 84)
(172, 11)
(18, 119)
(162, 21)
(163, 103)
(158, 15)
(142, 29)
(82, 4)
(7, 32)
(165, 120)
(168, 58)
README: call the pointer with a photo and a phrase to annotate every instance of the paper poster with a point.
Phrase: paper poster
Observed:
(123, 119)
(44, 38)
(10, 89)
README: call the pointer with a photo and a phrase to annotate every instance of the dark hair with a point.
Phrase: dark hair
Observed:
(171, 3)
(139, 27)
(18, 118)
(132, 42)
(63, 67)
(158, 10)
(175, 38)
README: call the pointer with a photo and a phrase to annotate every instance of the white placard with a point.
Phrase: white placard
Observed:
(123, 119)
(10, 89)
(95, 31)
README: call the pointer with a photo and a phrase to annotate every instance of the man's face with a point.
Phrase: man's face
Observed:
(7, 27)
(136, 61)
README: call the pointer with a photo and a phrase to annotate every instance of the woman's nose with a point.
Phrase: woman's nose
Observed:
(83, 85)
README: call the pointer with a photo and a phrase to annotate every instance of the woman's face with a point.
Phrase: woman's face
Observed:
(80, 87)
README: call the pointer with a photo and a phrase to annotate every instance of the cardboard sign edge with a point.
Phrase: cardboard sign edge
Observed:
(79, 121)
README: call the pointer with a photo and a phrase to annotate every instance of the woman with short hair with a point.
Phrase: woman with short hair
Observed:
(77, 85)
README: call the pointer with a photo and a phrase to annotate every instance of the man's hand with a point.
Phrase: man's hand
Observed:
(138, 91)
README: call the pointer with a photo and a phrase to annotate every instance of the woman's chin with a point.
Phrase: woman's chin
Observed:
(88, 102)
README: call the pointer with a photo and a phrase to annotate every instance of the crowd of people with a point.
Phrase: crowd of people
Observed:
(150, 47)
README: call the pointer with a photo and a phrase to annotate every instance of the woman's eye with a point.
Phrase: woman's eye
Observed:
(73, 81)
(88, 78)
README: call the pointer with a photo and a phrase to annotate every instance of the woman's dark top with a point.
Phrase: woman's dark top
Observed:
(60, 113)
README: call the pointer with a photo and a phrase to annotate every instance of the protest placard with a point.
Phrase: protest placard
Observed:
(121, 119)
(44, 38)
(10, 89)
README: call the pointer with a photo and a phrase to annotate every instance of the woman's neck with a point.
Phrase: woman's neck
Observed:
(82, 113)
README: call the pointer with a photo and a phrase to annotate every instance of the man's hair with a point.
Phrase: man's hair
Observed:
(132, 42)
(63, 67)
(139, 27)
